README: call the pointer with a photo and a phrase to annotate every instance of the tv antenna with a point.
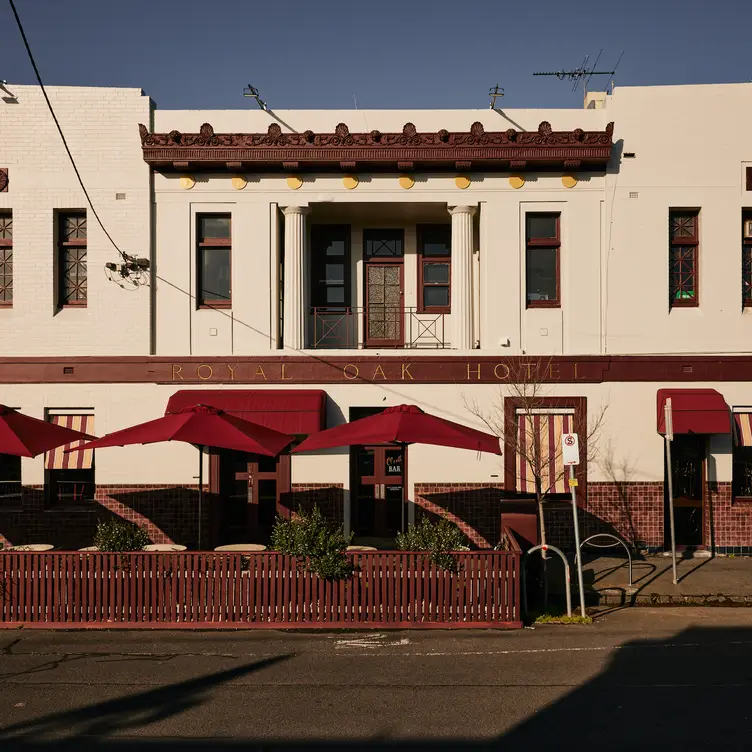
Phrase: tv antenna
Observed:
(495, 93)
(252, 91)
(576, 75)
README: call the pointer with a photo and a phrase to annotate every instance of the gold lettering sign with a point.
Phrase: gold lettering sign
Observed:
(503, 374)
(351, 371)
(430, 370)
(475, 372)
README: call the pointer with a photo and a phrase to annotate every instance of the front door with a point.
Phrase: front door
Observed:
(251, 488)
(378, 482)
(383, 252)
(688, 475)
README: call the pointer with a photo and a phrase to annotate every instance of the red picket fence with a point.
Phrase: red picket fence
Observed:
(272, 590)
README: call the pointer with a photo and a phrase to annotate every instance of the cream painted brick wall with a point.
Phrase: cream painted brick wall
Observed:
(101, 127)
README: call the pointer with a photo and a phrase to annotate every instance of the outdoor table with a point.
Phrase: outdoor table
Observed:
(164, 547)
(32, 547)
(242, 547)
(361, 548)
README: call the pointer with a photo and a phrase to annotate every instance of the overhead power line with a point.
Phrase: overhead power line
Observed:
(125, 256)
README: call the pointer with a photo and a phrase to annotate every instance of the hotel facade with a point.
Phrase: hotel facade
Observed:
(307, 268)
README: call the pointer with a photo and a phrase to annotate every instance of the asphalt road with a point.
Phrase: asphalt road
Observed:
(639, 678)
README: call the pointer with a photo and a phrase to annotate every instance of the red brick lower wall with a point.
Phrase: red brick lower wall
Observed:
(328, 497)
(169, 514)
(727, 523)
(634, 511)
(475, 508)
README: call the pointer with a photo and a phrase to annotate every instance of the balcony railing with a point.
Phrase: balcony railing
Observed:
(349, 327)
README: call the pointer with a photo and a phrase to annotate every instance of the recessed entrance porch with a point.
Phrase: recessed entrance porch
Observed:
(381, 275)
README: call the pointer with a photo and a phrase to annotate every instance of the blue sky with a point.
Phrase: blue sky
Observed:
(200, 54)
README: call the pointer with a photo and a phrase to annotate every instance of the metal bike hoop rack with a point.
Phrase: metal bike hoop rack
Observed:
(567, 585)
(619, 542)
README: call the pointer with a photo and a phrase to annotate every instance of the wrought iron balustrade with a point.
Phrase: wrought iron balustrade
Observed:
(354, 327)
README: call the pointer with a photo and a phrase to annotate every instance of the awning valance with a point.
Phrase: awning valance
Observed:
(293, 411)
(539, 443)
(694, 411)
(743, 429)
(68, 456)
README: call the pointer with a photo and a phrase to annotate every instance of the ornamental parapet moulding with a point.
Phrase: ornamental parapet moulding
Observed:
(543, 149)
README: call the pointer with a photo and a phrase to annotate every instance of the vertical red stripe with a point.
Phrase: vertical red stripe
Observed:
(64, 461)
(537, 452)
(553, 476)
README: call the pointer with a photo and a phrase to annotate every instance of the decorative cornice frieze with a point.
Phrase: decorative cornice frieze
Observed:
(275, 150)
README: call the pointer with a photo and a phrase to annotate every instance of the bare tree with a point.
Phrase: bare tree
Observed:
(512, 415)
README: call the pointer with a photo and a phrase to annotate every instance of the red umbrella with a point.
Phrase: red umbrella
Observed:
(403, 424)
(23, 436)
(201, 425)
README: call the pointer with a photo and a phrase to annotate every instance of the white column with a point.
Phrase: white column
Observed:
(462, 277)
(295, 277)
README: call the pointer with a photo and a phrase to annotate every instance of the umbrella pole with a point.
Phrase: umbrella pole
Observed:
(200, 490)
(404, 487)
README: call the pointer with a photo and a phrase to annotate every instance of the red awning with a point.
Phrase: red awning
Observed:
(294, 411)
(403, 424)
(694, 411)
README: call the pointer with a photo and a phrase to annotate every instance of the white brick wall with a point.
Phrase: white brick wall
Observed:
(101, 127)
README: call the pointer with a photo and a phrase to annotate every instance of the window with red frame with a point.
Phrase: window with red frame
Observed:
(213, 254)
(683, 264)
(435, 268)
(747, 258)
(6, 258)
(72, 258)
(543, 260)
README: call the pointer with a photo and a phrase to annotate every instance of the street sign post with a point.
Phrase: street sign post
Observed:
(668, 432)
(570, 453)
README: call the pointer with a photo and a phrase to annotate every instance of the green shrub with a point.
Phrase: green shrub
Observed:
(440, 539)
(318, 544)
(118, 535)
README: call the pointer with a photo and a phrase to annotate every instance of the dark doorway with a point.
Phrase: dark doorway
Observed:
(378, 478)
(251, 488)
(332, 321)
(688, 456)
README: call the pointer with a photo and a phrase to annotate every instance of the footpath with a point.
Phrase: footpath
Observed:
(708, 581)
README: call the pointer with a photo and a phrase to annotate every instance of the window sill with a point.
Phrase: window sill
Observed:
(209, 306)
(431, 310)
(745, 501)
(6, 304)
(76, 304)
(684, 304)
(543, 304)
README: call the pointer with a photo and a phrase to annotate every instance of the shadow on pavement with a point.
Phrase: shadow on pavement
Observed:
(689, 692)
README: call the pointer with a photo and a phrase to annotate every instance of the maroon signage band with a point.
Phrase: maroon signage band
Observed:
(362, 369)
